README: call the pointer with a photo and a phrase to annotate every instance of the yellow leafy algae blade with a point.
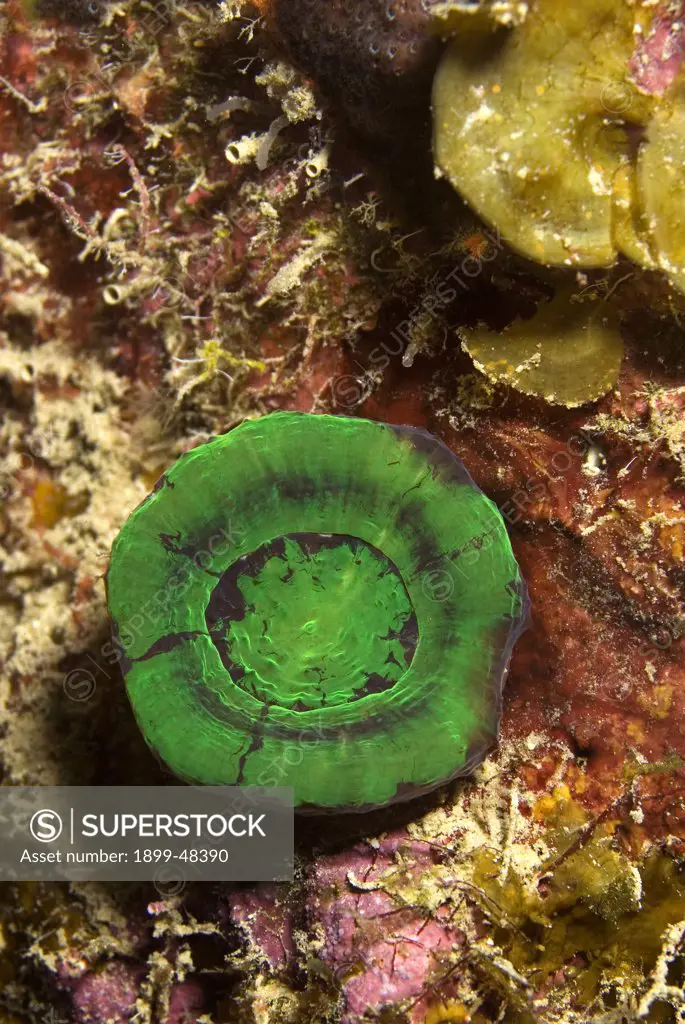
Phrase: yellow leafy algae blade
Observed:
(661, 187)
(565, 354)
(527, 130)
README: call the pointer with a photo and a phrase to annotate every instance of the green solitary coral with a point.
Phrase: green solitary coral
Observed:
(320, 602)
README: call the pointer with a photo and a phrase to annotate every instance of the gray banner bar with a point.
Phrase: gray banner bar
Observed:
(170, 835)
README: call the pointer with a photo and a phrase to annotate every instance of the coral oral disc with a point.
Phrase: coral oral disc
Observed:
(317, 602)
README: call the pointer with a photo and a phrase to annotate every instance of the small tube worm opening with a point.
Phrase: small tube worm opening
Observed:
(242, 151)
(318, 163)
(113, 294)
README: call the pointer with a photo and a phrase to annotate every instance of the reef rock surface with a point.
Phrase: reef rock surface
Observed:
(192, 232)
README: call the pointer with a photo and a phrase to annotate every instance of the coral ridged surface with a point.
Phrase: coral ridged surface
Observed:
(344, 602)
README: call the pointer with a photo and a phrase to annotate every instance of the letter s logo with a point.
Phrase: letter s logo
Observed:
(46, 826)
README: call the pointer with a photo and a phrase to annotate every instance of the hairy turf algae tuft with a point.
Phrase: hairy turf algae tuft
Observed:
(540, 127)
(321, 602)
(593, 918)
